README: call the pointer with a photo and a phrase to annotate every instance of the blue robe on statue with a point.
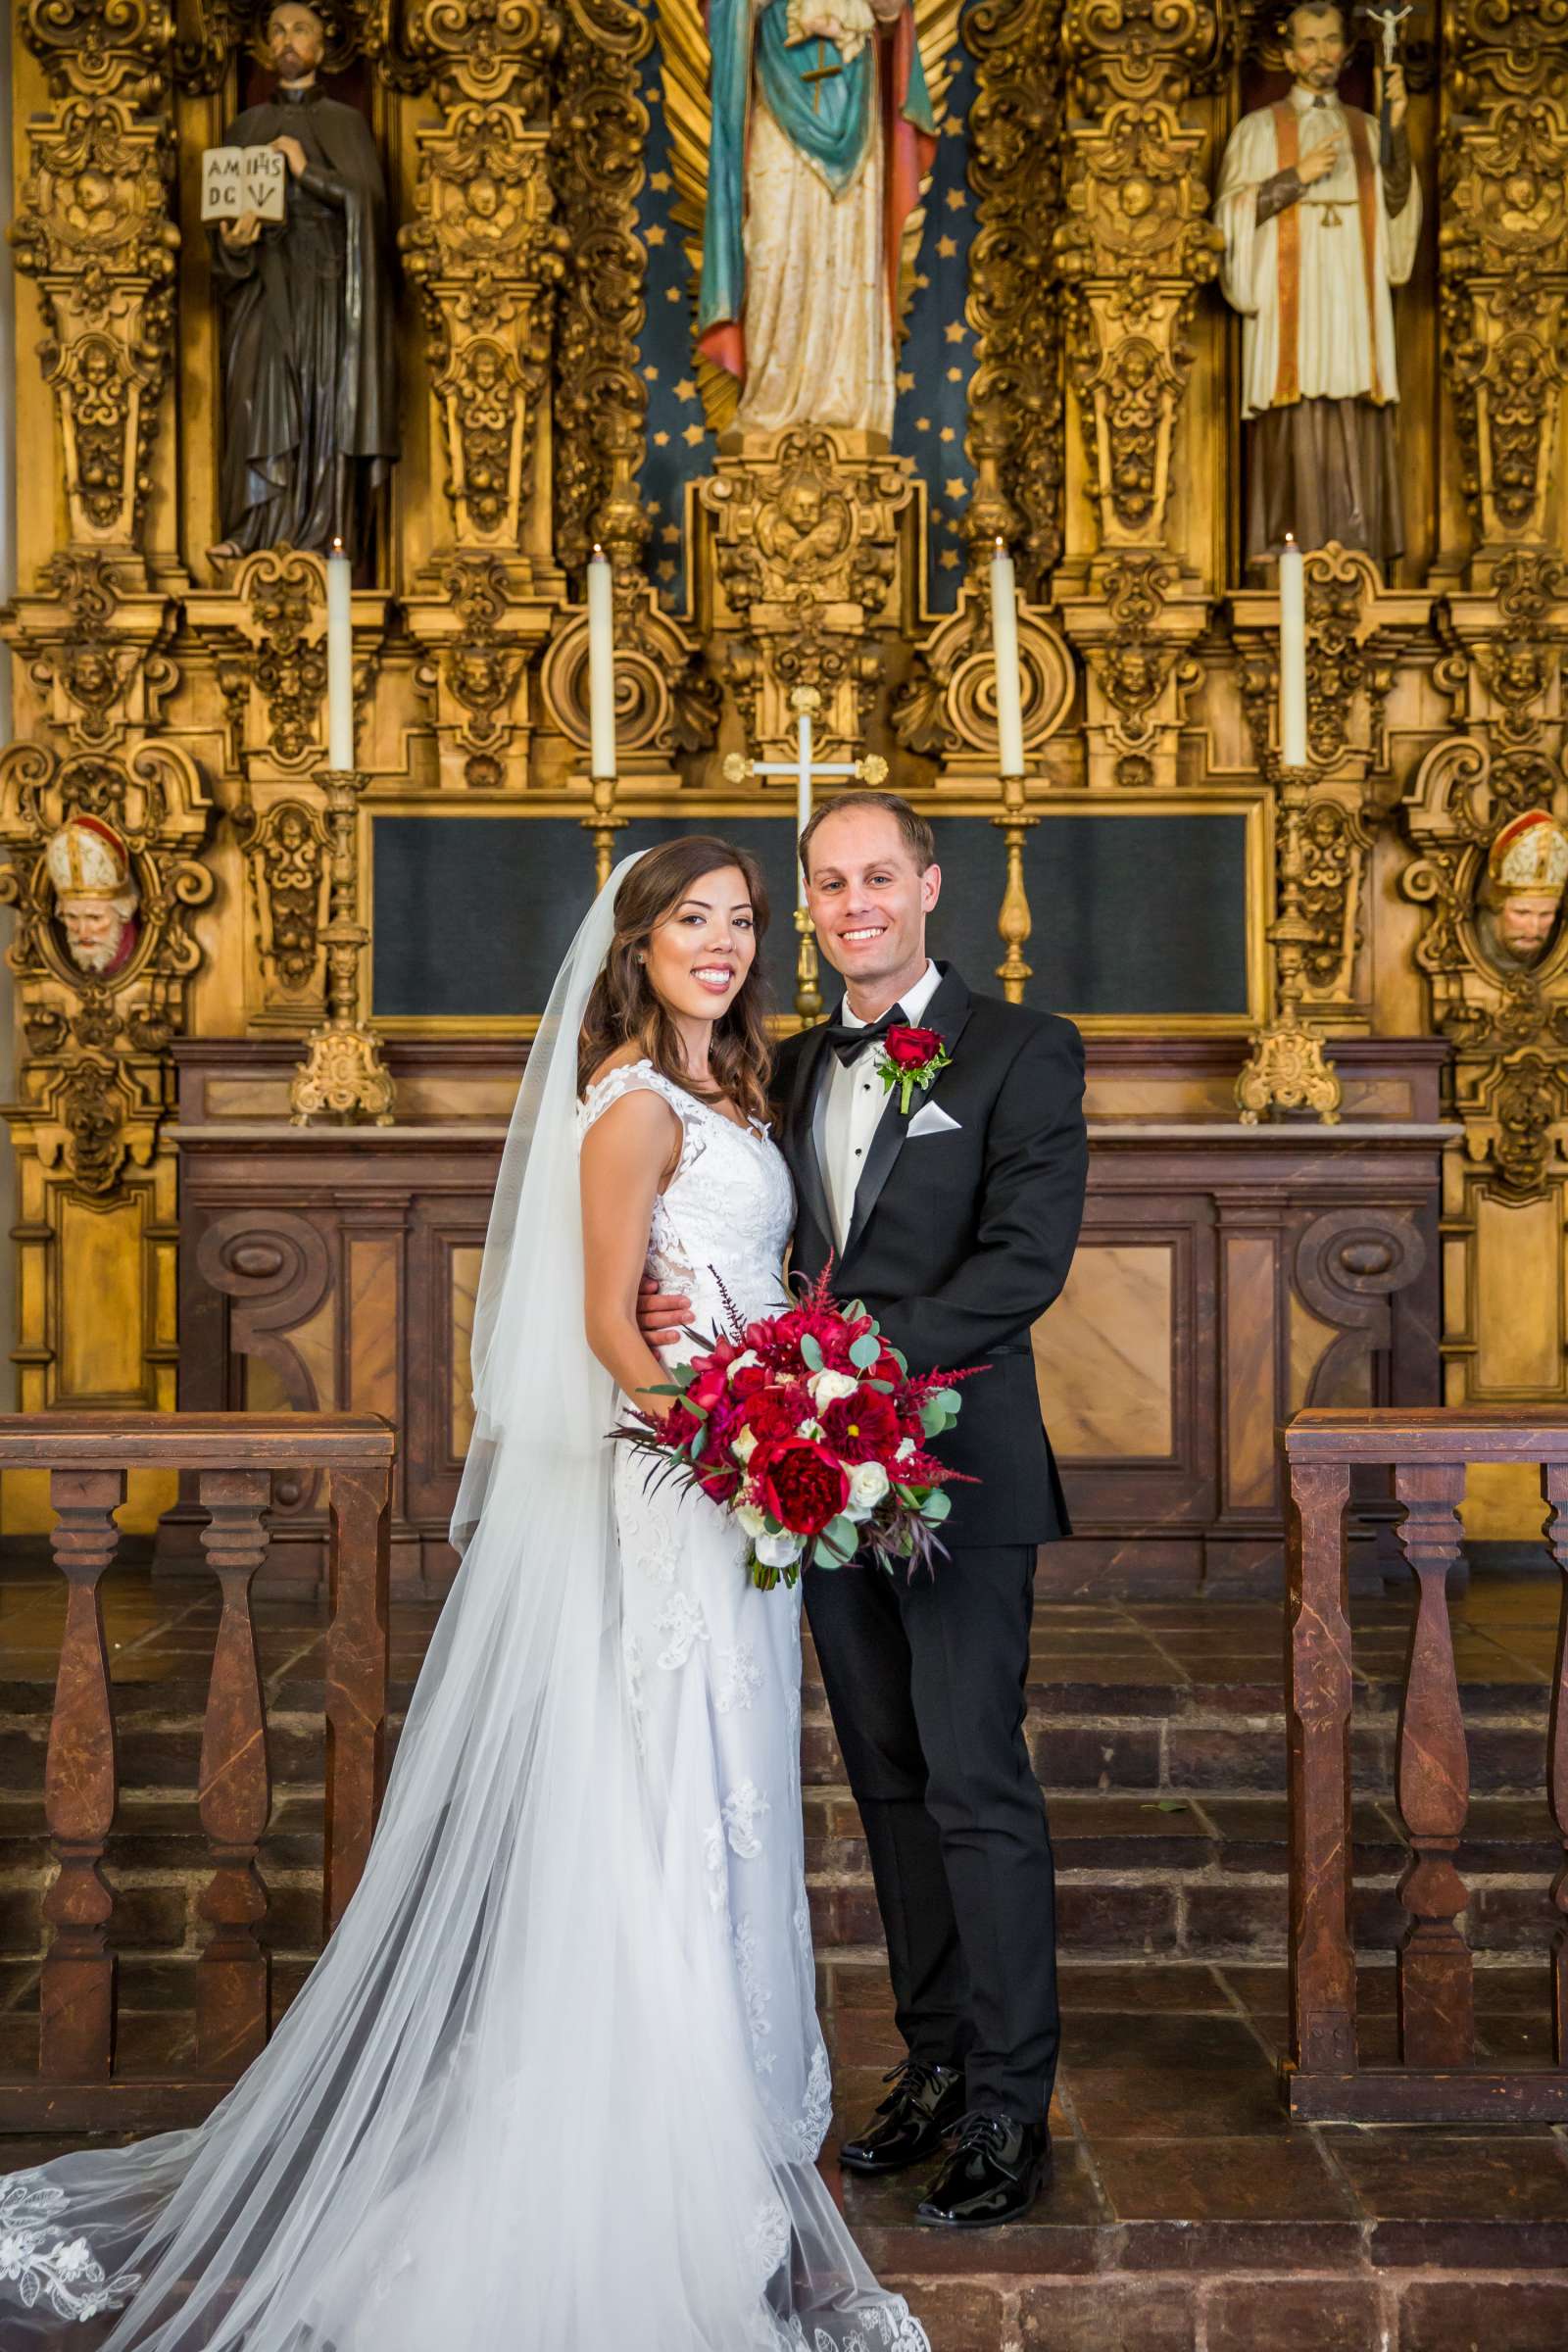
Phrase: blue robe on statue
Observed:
(828, 120)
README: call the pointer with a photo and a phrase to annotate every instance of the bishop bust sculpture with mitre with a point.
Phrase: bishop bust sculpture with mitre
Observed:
(1520, 899)
(1320, 220)
(95, 893)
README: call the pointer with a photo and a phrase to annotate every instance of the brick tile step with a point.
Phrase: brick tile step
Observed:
(1207, 1875)
(1192, 2305)
(1157, 1733)
(1226, 1753)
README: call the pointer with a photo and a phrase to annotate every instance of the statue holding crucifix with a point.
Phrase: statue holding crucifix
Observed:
(821, 135)
(1321, 213)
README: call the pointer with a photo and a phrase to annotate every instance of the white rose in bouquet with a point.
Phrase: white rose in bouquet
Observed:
(869, 1483)
(828, 1387)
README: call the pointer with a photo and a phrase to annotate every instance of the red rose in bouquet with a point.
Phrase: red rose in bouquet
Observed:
(680, 1424)
(776, 1413)
(803, 1486)
(712, 1374)
(721, 1482)
(809, 1428)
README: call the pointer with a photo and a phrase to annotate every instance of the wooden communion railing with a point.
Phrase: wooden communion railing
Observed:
(1436, 2077)
(234, 1455)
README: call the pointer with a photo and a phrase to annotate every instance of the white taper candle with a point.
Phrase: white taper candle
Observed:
(600, 664)
(1293, 655)
(340, 659)
(1004, 649)
(802, 800)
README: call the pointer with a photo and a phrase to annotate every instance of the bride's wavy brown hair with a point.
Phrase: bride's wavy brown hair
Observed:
(625, 1009)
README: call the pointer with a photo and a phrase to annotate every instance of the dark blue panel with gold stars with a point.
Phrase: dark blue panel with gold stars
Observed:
(937, 360)
(679, 445)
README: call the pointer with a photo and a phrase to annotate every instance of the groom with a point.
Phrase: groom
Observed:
(956, 1222)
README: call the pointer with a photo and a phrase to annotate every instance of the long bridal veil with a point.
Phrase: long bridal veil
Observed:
(508, 2112)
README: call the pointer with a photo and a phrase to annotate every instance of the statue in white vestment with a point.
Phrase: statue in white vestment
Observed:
(823, 131)
(1318, 225)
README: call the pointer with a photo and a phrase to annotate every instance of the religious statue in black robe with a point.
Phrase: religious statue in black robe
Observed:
(309, 405)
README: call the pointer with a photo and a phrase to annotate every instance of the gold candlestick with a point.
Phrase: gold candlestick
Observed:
(342, 1074)
(1014, 922)
(808, 971)
(1288, 1066)
(603, 826)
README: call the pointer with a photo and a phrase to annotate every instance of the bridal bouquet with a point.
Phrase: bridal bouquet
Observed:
(807, 1427)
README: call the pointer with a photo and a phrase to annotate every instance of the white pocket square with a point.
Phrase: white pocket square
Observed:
(932, 1119)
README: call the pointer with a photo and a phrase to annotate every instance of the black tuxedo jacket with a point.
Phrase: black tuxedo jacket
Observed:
(961, 1238)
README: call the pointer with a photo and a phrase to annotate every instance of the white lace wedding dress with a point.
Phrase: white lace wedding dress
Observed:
(556, 2084)
(712, 1665)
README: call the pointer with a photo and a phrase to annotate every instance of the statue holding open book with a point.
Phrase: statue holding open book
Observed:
(300, 261)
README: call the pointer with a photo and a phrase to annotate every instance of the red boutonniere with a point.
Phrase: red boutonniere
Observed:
(910, 1058)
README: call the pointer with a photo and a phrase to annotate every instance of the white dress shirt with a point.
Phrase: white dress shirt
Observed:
(850, 1107)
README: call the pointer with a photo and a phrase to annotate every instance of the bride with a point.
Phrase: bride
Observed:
(556, 2084)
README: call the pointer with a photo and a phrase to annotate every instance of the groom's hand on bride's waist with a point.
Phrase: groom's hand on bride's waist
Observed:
(661, 1315)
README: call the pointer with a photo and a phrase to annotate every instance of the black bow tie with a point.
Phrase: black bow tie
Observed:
(849, 1041)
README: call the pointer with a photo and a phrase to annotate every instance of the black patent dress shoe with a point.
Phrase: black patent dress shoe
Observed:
(995, 2169)
(912, 2121)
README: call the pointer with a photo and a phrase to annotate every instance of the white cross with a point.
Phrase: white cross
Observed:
(804, 702)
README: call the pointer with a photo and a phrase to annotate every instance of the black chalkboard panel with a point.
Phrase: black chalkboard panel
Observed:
(474, 914)
(1135, 915)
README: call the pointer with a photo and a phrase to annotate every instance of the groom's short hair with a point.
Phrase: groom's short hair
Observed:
(919, 838)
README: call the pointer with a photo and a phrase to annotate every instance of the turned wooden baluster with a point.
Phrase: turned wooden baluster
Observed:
(356, 1669)
(1317, 1668)
(76, 1998)
(1436, 1990)
(233, 1978)
(1555, 1489)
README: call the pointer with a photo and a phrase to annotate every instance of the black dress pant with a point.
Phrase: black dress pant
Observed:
(928, 1683)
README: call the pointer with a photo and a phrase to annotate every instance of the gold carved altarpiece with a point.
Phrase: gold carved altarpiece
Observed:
(185, 706)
